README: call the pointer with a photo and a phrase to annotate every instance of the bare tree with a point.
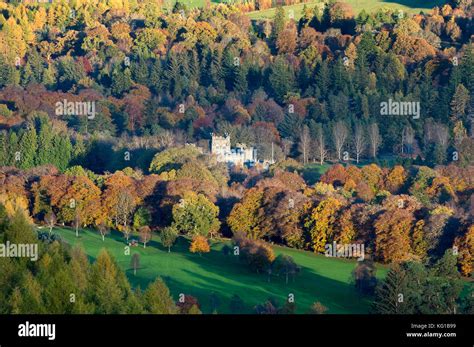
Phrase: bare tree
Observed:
(441, 135)
(339, 133)
(50, 220)
(408, 139)
(103, 230)
(286, 145)
(360, 141)
(77, 220)
(320, 145)
(374, 139)
(428, 131)
(166, 139)
(304, 144)
(135, 262)
(145, 235)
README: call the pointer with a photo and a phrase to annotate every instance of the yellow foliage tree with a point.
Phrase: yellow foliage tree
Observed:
(199, 245)
(321, 223)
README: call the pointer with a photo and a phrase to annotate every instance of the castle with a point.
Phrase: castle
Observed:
(239, 156)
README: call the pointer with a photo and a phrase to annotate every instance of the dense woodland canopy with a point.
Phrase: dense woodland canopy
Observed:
(167, 78)
(311, 89)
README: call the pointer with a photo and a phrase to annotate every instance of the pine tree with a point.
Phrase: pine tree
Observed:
(157, 299)
(322, 77)
(63, 151)
(109, 287)
(3, 149)
(282, 79)
(28, 146)
(45, 141)
(140, 71)
(459, 103)
(174, 77)
(278, 22)
(9, 74)
(155, 80)
(467, 68)
(121, 81)
(391, 296)
(13, 149)
(240, 81)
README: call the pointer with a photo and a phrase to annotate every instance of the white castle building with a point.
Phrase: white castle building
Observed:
(240, 155)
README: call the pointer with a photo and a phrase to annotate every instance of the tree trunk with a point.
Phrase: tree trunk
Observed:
(103, 238)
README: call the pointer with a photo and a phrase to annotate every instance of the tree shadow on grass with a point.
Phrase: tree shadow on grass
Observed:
(255, 289)
(425, 4)
(228, 276)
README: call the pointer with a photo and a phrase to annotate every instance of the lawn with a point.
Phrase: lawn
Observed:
(190, 3)
(410, 6)
(321, 279)
(312, 172)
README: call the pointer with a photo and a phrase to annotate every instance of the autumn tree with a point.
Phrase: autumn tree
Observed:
(199, 244)
(245, 216)
(321, 223)
(465, 246)
(364, 276)
(392, 235)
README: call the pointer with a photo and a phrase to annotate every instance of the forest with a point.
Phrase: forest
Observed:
(149, 84)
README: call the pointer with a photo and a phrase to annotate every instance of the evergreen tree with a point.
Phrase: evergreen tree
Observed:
(282, 79)
(45, 141)
(121, 81)
(13, 151)
(174, 77)
(140, 71)
(3, 148)
(28, 145)
(155, 79)
(157, 299)
(279, 22)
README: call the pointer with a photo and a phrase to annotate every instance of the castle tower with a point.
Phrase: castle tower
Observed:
(220, 145)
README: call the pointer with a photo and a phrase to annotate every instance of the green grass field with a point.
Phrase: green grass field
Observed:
(410, 6)
(312, 172)
(190, 3)
(321, 279)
